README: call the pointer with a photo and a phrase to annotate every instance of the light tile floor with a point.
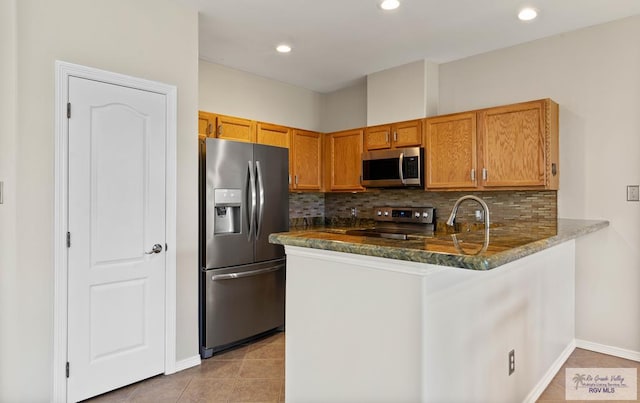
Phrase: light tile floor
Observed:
(255, 373)
(580, 358)
(249, 373)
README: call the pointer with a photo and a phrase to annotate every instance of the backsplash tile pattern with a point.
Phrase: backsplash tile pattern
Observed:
(503, 205)
(306, 209)
(335, 208)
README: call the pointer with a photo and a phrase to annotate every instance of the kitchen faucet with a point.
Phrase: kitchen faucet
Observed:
(482, 204)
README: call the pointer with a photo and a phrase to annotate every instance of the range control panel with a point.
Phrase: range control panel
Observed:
(418, 215)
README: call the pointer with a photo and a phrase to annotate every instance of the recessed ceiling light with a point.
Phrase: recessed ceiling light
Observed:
(283, 48)
(389, 4)
(527, 14)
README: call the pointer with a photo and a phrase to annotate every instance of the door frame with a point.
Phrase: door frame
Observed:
(63, 71)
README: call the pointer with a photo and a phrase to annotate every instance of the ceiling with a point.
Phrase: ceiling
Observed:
(336, 42)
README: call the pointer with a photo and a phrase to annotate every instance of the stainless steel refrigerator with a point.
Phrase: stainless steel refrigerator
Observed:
(243, 198)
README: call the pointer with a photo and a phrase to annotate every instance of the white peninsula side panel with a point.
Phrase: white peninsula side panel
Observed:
(363, 328)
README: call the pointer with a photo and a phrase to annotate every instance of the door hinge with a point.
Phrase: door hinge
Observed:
(68, 110)
(67, 369)
(68, 239)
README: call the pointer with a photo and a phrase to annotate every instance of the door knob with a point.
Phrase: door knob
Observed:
(157, 248)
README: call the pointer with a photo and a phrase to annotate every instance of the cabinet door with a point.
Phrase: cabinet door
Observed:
(272, 135)
(377, 137)
(343, 159)
(306, 155)
(407, 134)
(206, 123)
(451, 151)
(513, 145)
(237, 129)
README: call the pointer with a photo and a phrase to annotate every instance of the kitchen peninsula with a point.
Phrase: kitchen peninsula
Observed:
(430, 319)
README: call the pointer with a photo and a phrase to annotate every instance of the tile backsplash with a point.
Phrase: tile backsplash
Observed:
(503, 205)
(306, 209)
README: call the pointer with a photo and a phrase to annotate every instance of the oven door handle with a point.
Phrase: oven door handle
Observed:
(231, 276)
(400, 165)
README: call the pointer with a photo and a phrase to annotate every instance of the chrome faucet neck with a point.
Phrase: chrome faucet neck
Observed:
(454, 211)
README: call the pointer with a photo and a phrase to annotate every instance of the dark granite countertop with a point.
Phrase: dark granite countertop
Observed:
(507, 242)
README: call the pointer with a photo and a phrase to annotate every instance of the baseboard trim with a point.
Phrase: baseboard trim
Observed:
(541, 386)
(187, 363)
(609, 350)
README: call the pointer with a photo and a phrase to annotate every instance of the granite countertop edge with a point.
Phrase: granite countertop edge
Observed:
(576, 228)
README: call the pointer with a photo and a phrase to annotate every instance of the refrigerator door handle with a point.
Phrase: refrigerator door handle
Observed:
(261, 201)
(230, 276)
(252, 196)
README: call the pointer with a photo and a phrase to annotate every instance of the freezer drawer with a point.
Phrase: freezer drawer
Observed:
(241, 302)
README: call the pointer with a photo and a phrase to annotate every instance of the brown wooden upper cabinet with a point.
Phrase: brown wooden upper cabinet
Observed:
(507, 147)
(273, 135)
(306, 160)
(451, 151)
(206, 124)
(343, 167)
(519, 145)
(237, 129)
(395, 135)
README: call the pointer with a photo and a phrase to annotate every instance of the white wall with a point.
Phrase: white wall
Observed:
(151, 39)
(402, 93)
(345, 108)
(237, 93)
(8, 77)
(594, 74)
(233, 92)
(451, 330)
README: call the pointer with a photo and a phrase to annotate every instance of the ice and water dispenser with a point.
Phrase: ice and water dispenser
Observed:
(227, 204)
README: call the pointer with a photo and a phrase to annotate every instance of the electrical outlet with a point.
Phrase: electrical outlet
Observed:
(354, 212)
(633, 193)
(512, 361)
(479, 215)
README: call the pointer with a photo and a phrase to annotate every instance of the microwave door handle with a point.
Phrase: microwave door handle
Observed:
(252, 197)
(400, 164)
(261, 199)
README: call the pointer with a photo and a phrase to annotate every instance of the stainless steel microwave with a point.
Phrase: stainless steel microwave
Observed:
(398, 167)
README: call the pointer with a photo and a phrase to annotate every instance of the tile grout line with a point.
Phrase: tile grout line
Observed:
(185, 389)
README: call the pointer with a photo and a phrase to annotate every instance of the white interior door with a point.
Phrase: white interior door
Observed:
(116, 287)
